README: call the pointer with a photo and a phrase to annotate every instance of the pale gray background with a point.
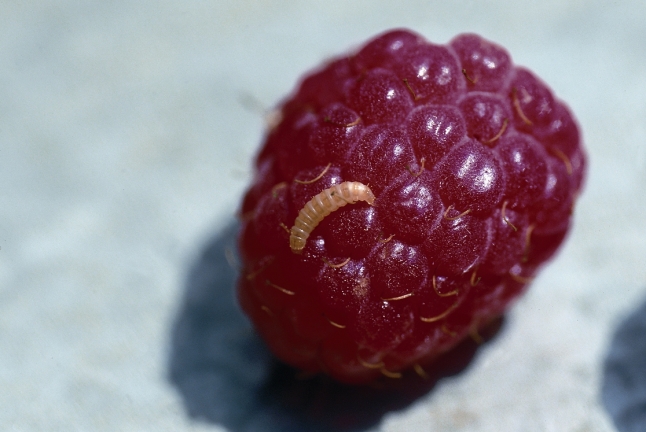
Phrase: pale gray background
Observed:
(126, 134)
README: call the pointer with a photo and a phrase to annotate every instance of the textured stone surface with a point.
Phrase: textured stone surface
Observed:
(126, 134)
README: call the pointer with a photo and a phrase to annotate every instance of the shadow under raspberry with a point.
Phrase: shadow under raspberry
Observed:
(624, 381)
(226, 375)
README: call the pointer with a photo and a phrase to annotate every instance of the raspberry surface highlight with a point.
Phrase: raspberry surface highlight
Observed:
(475, 167)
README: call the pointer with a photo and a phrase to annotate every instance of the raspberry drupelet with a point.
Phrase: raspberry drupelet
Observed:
(474, 167)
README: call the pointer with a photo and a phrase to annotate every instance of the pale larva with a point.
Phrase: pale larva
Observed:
(322, 205)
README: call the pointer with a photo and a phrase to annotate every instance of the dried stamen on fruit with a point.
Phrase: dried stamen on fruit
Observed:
(273, 118)
(354, 123)
(440, 316)
(337, 325)
(401, 297)
(274, 190)
(415, 97)
(516, 102)
(262, 267)
(370, 365)
(475, 335)
(471, 80)
(528, 242)
(473, 281)
(566, 160)
(390, 374)
(420, 371)
(335, 265)
(386, 240)
(321, 205)
(448, 294)
(315, 179)
(327, 119)
(421, 168)
(464, 213)
(504, 217)
(449, 332)
(283, 226)
(500, 132)
(279, 288)
(520, 279)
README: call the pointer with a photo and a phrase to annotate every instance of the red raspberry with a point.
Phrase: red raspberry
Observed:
(474, 166)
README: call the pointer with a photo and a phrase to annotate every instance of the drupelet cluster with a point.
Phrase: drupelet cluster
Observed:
(474, 167)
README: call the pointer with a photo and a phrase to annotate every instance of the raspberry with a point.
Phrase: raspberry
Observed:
(474, 166)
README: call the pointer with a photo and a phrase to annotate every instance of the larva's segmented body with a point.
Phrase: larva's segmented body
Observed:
(322, 205)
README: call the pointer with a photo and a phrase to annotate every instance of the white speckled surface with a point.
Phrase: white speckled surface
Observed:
(124, 147)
